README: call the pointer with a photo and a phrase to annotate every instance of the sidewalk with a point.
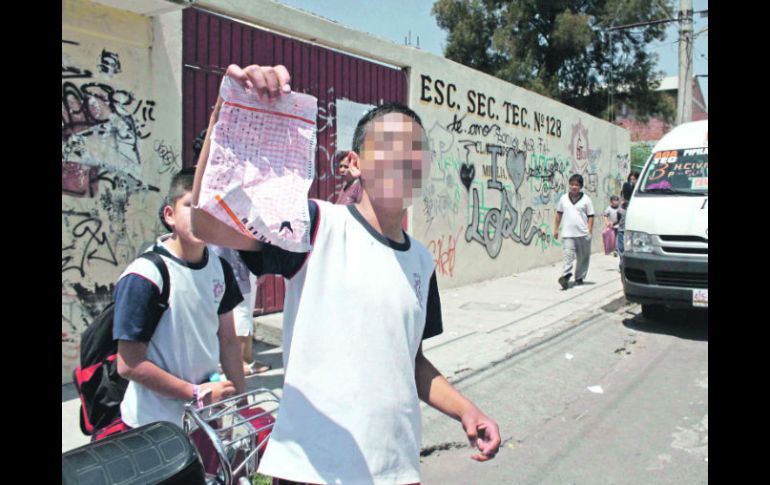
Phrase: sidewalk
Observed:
(484, 323)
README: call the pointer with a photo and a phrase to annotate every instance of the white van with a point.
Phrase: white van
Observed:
(666, 234)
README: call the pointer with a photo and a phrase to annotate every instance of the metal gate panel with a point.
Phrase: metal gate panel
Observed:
(212, 42)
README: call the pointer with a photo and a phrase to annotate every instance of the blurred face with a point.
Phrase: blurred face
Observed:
(394, 156)
(614, 202)
(179, 218)
(633, 180)
(574, 187)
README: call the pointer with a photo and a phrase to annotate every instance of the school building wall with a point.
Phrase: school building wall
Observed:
(121, 126)
(501, 155)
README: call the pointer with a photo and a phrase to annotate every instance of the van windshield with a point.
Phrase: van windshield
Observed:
(677, 172)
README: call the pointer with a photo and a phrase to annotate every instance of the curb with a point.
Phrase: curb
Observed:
(609, 304)
(268, 329)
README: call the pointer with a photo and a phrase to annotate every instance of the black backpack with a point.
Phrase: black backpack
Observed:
(97, 381)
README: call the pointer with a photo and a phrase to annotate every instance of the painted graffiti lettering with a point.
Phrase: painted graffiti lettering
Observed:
(72, 72)
(146, 114)
(109, 63)
(128, 182)
(99, 110)
(439, 204)
(494, 151)
(483, 130)
(93, 242)
(456, 125)
(444, 250)
(326, 114)
(547, 176)
(528, 145)
(500, 224)
(542, 146)
(168, 158)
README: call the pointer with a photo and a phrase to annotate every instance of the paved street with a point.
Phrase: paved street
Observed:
(484, 323)
(650, 424)
(526, 352)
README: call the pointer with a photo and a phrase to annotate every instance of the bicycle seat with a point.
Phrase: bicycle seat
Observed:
(155, 453)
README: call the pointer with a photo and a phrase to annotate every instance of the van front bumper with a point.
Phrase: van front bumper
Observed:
(668, 280)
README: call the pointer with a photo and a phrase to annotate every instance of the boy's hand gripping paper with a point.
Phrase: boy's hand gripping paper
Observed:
(261, 164)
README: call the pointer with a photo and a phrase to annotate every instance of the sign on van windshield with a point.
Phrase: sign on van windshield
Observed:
(677, 172)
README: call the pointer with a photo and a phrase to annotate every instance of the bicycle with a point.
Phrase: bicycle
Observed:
(219, 444)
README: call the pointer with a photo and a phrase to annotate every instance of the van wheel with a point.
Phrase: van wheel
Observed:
(653, 311)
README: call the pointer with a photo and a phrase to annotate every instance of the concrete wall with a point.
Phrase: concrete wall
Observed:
(121, 132)
(502, 156)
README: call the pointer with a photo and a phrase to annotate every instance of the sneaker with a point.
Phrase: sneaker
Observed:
(564, 282)
(578, 282)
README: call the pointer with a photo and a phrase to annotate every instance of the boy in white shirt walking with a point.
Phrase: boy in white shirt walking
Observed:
(577, 212)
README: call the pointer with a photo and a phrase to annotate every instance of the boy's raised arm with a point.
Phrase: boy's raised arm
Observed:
(268, 82)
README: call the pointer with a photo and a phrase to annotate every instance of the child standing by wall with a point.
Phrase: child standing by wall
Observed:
(611, 218)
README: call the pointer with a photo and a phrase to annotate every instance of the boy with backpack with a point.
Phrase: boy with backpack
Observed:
(168, 361)
(354, 366)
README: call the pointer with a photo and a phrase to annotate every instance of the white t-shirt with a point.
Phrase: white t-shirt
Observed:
(574, 220)
(184, 342)
(350, 411)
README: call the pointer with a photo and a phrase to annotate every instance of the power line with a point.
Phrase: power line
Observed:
(651, 22)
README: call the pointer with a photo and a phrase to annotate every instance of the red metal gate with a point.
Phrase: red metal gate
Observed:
(213, 42)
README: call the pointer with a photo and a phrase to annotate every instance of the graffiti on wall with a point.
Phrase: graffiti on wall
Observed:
(105, 128)
(616, 175)
(109, 63)
(102, 125)
(509, 165)
(169, 160)
(444, 251)
(97, 118)
(88, 243)
(584, 160)
(504, 221)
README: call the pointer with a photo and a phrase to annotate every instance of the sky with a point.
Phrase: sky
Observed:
(394, 19)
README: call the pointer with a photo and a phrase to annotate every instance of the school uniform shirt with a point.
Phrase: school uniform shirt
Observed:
(185, 342)
(356, 310)
(574, 219)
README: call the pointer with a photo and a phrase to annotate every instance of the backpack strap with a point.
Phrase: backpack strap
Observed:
(161, 265)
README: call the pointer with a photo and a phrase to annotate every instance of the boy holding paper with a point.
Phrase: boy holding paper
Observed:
(354, 366)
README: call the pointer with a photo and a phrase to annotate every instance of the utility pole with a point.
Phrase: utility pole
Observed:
(684, 93)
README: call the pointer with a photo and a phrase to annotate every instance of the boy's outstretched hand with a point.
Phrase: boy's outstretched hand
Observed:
(267, 81)
(483, 433)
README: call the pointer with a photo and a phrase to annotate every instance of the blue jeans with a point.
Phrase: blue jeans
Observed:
(619, 242)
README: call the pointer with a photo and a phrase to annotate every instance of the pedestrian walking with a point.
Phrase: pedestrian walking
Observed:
(576, 211)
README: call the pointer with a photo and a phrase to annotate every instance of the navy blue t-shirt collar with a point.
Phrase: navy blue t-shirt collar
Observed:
(404, 246)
